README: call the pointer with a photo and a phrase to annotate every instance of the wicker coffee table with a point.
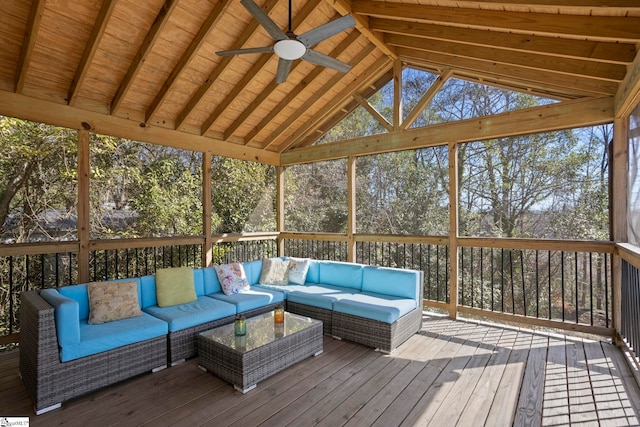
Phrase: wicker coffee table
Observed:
(265, 350)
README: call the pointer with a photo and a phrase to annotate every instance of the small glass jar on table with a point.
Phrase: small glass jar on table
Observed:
(278, 314)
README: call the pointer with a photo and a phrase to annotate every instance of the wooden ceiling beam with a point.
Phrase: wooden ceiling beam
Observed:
(535, 61)
(108, 6)
(293, 93)
(372, 110)
(209, 24)
(326, 87)
(27, 108)
(628, 95)
(254, 70)
(617, 53)
(623, 5)
(145, 48)
(248, 32)
(363, 79)
(596, 28)
(547, 118)
(343, 7)
(28, 44)
(426, 99)
(581, 86)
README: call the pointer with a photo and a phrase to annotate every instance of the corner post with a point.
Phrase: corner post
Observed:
(207, 250)
(280, 207)
(351, 207)
(453, 229)
(83, 206)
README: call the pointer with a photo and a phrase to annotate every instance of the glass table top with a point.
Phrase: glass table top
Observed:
(261, 330)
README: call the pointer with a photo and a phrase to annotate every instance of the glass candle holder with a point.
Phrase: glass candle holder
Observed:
(278, 315)
(241, 326)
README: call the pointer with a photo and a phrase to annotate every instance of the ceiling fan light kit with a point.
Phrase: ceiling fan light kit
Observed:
(289, 47)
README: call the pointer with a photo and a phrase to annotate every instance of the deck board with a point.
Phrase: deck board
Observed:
(451, 373)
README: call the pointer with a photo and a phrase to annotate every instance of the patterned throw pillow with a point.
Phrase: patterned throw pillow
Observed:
(274, 272)
(232, 278)
(109, 301)
(298, 268)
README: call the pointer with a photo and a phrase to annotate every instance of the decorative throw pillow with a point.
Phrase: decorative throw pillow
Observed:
(298, 268)
(109, 301)
(175, 286)
(232, 278)
(274, 272)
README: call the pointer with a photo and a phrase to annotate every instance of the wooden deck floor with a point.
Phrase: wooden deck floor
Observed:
(452, 373)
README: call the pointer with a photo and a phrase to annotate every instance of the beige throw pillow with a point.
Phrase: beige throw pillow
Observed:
(274, 272)
(109, 301)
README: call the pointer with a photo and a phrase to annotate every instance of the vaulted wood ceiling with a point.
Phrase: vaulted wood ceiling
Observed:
(147, 69)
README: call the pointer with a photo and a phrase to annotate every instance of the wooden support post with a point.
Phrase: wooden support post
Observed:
(207, 250)
(397, 94)
(619, 165)
(280, 207)
(351, 207)
(83, 206)
(453, 229)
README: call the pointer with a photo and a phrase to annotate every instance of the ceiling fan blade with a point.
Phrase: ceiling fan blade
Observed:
(263, 19)
(326, 61)
(284, 66)
(330, 29)
(266, 49)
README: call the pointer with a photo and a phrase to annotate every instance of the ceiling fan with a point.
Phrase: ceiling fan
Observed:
(290, 47)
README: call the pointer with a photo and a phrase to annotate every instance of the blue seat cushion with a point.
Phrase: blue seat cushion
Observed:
(321, 296)
(183, 316)
(279, 288)
(107, 336)
(383, 308)
(254, 298)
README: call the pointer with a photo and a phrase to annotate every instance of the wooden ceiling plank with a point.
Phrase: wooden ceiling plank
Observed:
(343, 7)
(375, 113)
(618, 53)
(372, 72)
(341, 47)
(27, 108)
(147, 45)
(628, 95)
(600, 28)
(426, 99)
(209, 24)
(255, 69)
(547, 118)
(108, 6)
(249, 31)
(28, 44)
(313, 99)
(566, 5)
(570, 84)
(569, 66)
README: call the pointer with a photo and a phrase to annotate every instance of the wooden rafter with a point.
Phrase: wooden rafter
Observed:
(426, 98)
(562, 115)
(597, 28)
(255, 69)
(108, 6)
(375, 113)
(628, 96)
(579, 85)
(364, 79)
(337, 77)
(209, 24)
(248, 32)
(149, 41)
(344, 8)
(535, 61)
(617, 53)
(28, 44)
(397, 94)
(317, 71)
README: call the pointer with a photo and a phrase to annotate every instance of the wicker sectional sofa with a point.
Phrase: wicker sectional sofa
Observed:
(62, 356)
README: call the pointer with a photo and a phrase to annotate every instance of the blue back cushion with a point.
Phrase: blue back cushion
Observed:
(81, 295)
(66, 317)
(391, 281)
(198, 280)
(211, 282)
(341, 274)
(148, 288)
(253, 270)
(313, 274)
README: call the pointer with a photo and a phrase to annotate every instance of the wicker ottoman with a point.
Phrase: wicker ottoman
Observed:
(266, 349)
